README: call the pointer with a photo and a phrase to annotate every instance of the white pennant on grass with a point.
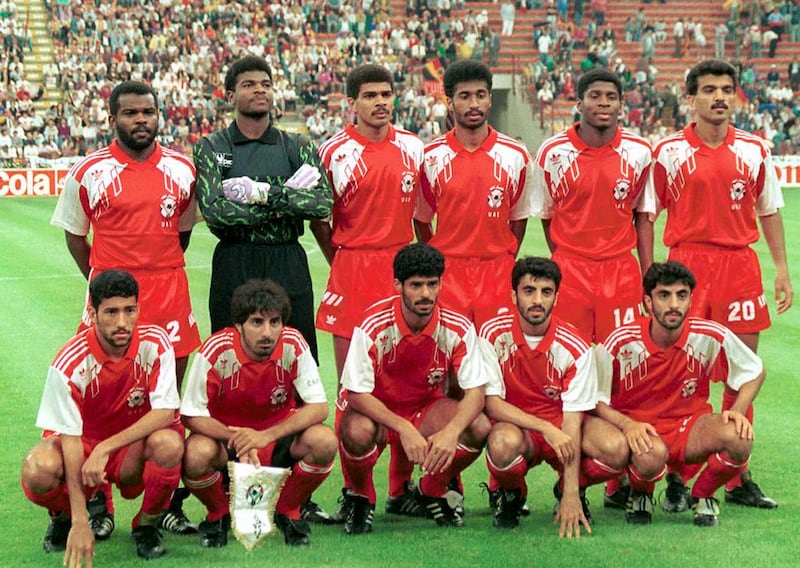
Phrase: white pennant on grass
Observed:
(254, 493)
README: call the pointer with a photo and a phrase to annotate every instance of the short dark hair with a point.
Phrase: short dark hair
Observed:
(129, 88)
(367, 73)
(597, 74)
(536, 267)
(463, 71)
(418, 259)
(710, 67)
(243, 65)
(259, 297)
(667, 273)
(112, 284)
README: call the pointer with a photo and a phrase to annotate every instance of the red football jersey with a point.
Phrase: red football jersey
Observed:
(224, 383)
(88, 394)
(590, 194)
(474, 194)
(405, 370)
(374, 187)
(713, 195)
(650, 384)
(555, 377)
(135, 210)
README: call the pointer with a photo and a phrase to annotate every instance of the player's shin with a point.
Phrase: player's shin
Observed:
(303, 481)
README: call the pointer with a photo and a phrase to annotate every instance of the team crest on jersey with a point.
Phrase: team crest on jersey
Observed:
(168, 206)
(407, 182)
(279, 396)
(136, 397)
(551, 392)
(622, 189)
(435, 376)
(689, 387)
(738, 189)
(495, 197)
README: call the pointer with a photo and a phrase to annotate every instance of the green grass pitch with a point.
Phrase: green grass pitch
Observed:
(42, 296)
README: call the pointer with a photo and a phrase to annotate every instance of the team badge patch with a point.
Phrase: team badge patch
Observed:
(689, 388)
(136, 397)
(168, 206)
(254, 493)
(279, 396)
(738, 190)
(621, 189)
(407, 182)
(495, 197)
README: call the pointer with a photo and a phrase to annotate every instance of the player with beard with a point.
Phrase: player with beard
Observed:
(654, 378)
(476, 183)
(240, 404)
(715, 181)
(542, 383)
(136, 197)
(256, 186)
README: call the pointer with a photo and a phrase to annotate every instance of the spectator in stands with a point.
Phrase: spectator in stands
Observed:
(507, 14)
(678, 32)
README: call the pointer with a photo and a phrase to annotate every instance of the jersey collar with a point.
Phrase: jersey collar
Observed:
(270, 135)
(575, 139)
(119, 155)
(544, 344)
(692, 138)
(651, 345)
(353, 132)
(486, 145)
(100, 354)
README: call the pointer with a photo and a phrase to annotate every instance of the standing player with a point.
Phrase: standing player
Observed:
(400, 354)
(110, 400)
(256, 184)
(240, 400)
(714, 181)
(137, 199)
(542, 381)
(476, 182)
(374, 170)
(654, 386)
(592, 191)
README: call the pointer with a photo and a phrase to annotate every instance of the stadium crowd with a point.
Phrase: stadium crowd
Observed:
(183, 49)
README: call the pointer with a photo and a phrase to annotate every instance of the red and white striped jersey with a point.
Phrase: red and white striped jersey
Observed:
(88, 394)
(135, 209)
(224, 383)
(557, 376)
(713, 195)
(405, 370)
(650, 384)
(374, 187)
(475, 195)
(590, 194)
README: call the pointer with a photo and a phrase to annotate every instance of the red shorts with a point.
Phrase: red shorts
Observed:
(676, 434)
(475, 284)
(163, 301)
(358, 279)
(729, 288)
(598, 296)
(416, 419)
(543, 452)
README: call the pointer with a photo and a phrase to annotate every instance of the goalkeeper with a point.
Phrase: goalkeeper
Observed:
(239, 403)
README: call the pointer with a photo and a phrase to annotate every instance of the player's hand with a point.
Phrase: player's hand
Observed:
(561, 443)
(93, 472)
(251, 458)
(639, 436)
(80, 546)
(570, 517)
(743, 427)
(413, 444)
(441, 451)
(783, 293)
(246, 439)
(306, 177)
(245, 190)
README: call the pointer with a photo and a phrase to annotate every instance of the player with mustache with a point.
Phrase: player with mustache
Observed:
(714, 181)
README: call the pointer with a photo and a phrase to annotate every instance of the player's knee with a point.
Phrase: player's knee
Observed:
(165, 447)
(615, 451)
(651, 463)
(478, 431)
(357, 432)
(199, 455)
(504, 444)
(42, 469)
(736, 447)
(323, 443)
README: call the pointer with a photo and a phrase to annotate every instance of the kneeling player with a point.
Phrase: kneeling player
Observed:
(240, 399)
(542, 381)
(399, 355)
(654, 386)
(111, 402)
